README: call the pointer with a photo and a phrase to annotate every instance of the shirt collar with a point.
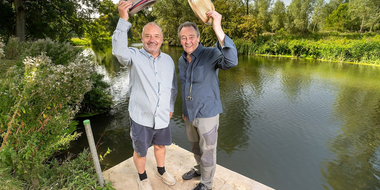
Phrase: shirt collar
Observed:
(143, 51)
(195, 53)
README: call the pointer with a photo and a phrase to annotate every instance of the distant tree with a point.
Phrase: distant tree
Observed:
(298, 16)
(340, 19)
(368, 11)
(263, 16)
(55, 19)
(318, 17)
(278, 16)
(170, 14)
(374, 17)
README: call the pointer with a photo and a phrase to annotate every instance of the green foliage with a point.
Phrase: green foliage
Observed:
(39, 98)
(54, 19)
(12, 49)
(278, 16)
(352, 48)
(339, 19)
(80, 41)
(298, 16)
(100, 31)
(98, 100)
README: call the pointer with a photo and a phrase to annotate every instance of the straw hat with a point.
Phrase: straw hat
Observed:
(200, 8)
(139, 5)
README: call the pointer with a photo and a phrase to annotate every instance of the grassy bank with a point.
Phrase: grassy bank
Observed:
(355, 48)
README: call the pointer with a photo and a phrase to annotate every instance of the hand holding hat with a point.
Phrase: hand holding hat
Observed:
(123, 8)
(200, 8)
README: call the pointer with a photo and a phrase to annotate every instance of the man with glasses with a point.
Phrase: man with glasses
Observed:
(198, 72)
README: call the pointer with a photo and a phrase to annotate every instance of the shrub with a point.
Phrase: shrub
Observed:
(39, 98)
(38, 104)
(12, 49)
(80, 42)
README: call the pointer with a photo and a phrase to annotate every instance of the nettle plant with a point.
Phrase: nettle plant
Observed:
(38, 101)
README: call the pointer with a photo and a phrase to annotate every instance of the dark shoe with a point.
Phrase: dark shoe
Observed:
(200, 186)
(190, 174)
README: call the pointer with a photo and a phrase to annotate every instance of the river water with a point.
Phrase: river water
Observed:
(290, 124)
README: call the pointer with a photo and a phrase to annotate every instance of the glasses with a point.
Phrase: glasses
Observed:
(189, 98)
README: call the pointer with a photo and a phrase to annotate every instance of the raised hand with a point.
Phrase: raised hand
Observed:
(217, 25)
(123, 8)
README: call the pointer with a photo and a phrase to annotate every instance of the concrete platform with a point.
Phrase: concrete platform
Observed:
(177, 162)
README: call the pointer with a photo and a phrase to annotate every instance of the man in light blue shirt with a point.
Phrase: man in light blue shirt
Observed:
(153, 90)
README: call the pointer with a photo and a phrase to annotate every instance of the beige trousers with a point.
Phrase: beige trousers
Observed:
(203, 136)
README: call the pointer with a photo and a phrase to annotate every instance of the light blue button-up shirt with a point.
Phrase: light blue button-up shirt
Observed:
(153, 84)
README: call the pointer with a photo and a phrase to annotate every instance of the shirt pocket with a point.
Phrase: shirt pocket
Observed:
(199, 74)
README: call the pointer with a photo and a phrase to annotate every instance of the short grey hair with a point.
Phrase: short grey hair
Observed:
(188, 24)
(154, 24)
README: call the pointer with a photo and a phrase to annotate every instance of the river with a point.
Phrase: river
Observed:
(290, 124)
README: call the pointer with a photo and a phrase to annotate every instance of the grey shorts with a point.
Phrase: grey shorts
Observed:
(142, 137)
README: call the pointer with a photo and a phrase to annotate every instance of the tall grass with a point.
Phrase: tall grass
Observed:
(346, 48)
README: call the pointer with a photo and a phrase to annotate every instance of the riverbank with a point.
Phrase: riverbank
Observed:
(354, 49)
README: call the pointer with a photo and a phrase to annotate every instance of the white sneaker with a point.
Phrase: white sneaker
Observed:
(166, 178)
(144, 184)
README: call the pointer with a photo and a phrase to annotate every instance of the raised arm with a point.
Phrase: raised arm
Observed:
(120, 36)
(217, 25)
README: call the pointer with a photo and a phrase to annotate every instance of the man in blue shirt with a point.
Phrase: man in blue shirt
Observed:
(152, 90)
(198, 73)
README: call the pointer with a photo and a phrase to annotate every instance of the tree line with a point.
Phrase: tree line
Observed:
(242, 19)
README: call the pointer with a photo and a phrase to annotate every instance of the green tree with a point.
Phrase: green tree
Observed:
(318, 17)
(263, 16)
(338, 19)
(55, 19)
(278, 16)
(298, 16)
(170, 14)
(368, 11)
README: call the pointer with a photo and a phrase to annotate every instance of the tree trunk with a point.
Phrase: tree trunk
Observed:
(314, 27)
(247, 1)
(370, 30)
(20, 19)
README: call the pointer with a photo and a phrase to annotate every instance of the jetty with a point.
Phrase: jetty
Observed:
(177, 162)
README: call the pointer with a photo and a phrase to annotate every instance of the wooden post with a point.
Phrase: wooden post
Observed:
(94, 153)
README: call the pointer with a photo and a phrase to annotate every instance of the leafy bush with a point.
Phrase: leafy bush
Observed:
(39, 98)
(38, 104)
(80, 42)
(12, 49)
(97, 100)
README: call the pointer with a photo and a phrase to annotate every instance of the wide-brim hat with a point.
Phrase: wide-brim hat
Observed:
(200, 8)
(139, 5)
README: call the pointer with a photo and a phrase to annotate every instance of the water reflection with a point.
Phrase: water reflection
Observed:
(288, 123)
(356, 148)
